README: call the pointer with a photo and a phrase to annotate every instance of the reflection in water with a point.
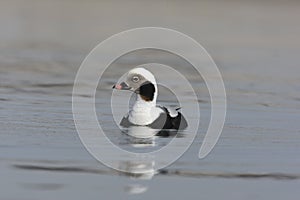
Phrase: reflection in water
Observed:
(135, 189)
(143, 167)
(141, 132)
(143, 137)
(140, 136)
(141, 170)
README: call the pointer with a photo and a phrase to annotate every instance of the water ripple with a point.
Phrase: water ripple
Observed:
(165, 172)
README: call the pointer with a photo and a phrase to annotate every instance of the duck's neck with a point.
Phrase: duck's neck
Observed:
(142, 106)
(143, 112)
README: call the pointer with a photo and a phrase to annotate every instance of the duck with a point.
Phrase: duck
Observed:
(145, 111)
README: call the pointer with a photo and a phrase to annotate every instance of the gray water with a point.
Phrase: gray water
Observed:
(256, 47)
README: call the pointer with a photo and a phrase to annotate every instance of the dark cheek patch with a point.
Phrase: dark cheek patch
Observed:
(147, 91)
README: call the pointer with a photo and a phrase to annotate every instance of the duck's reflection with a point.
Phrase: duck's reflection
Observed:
(144, 132)
(141, 139)
(135, 189)
(141, 132)
(138, 171)
(142, 167)
(140, 136)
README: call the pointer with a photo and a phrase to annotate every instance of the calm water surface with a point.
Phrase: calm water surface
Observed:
(256, 47)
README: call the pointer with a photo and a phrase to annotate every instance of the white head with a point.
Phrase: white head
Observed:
(140, 81)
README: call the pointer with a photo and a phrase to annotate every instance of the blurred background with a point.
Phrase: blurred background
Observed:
(256, 46)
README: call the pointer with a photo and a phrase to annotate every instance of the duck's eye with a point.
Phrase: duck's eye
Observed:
(135, 79)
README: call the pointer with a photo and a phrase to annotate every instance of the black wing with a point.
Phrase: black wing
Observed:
(179, 122)
(165, 121)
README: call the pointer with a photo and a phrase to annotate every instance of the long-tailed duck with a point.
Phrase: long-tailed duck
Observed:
(145, 112)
